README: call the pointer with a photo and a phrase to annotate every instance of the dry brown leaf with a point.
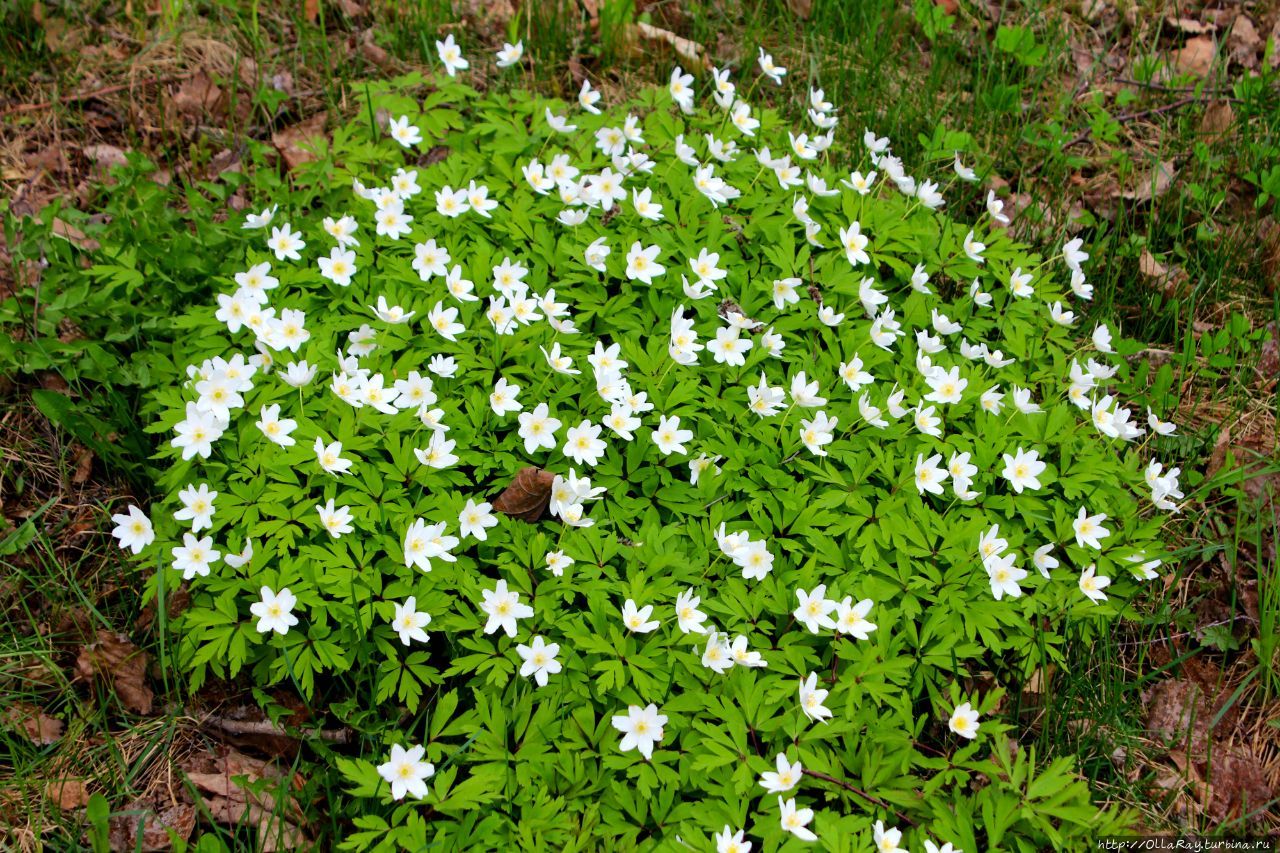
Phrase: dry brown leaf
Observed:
(1190, 26)
(298, 144)
(691, 52)
(232, 803)
(1153, 184)
(75, 236)
(1269, 240)
(117, 660)
(67, 794)
(310, 10)
(1169, 279)
(39, 728)
(801, 8)
(84, 467)
(140, 827)
(198, 96)
(1243, 43)
(1217, 120)
(105, 155)
(1196, 56)
(527, 496)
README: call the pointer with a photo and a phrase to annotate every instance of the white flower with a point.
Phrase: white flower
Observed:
(194, 556)
(335, 519)
(669, 437)
(688, 617)
(851, 618)
(134, 530)
(1004, 576)
(409, 622)
(1089, 530)
(812, 697)
(275, 611)
(796, 821)
(637, 619)
(886, 840)
(1093, 584)
(1022, 470)
(539, 660)
(557, 562)
(729, 841)
(451, 55)
(642, 263)
(475, 519)
(503, 608)
(339, 267)
(259, 220)
(403, 132)
(406, 772)
(538, 429)
(583, 443)
(330, 457)
(769, 69)
(964, 721)
(197, 507)
(641, 728)
(814, 609)
(929, 476)
(1044, 560)
(786, 777)
(510, 55)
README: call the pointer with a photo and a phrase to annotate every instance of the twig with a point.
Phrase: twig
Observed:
(85, 96)
(1192, 632)
(861, 793)
(1124, 118)
(1156, 87)
(266, 727)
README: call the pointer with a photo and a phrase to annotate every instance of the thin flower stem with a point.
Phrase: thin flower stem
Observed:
(859, 792)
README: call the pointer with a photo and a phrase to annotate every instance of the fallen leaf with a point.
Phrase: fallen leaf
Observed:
(141, 827)
(311, 10)
(1243, 42)
(198, 96)
(74, 235)
(1190, 26)
(801, 8)
(84, 467)
(1152, 185)
(67, 794)
(105, 155)
(527, 496)
(31, 721)
(690, 51)
(1217, 120)
(1170, 280)
(297, 144)
(1269, 244)
(114, 658)
(231, 800)
(1196, 56)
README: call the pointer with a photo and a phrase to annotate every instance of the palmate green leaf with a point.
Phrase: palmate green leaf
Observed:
(515, 760)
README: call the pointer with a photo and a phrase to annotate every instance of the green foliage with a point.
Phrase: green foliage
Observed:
(541, 766)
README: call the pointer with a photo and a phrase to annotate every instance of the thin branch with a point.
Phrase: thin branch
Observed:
(861, 793)
(266, 727)
(85, 96)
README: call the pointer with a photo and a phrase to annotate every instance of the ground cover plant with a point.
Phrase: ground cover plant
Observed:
(812, 449)
(101, 294)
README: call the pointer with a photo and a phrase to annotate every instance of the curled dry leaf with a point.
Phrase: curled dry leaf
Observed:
(298, 144)
(1153, 184)
(527, 496)
(690, 52)
(148, 827)
(67, 794)
(1196, 56)
(1169, 279)
(115, 659)
(27, 719)
(226, 780)
(1243, 43)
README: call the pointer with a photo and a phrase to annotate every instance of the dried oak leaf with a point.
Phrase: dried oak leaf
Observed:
(1153, 184)
(116, 659)
(230, 799)
(39, 728)
(142, 827)
(1196, 56)
(297, 144)
(67, 794)
(527, 496)
(1171, 280)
